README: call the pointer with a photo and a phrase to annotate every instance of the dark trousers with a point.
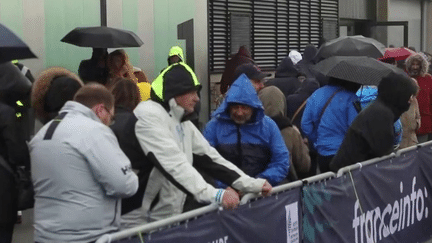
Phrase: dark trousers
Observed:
(6, 232)
(324, 162)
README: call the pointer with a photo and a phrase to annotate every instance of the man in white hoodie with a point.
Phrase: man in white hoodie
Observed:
(79, 172)
(170, 141)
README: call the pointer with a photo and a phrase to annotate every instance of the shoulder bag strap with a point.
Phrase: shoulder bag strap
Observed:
(328, 103)
(53, 126)
(298, 110)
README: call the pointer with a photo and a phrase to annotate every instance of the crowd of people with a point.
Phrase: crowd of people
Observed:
(118, 151)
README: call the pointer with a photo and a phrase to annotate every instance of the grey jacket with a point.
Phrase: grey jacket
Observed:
(79, 176)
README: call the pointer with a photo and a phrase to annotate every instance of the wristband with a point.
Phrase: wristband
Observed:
(219, 196)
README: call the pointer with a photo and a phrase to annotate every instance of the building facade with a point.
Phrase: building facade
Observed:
(210, 31)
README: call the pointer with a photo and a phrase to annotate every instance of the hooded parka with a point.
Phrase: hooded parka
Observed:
(274, 106)
(286, 77)
(257, 146)
(424, 96)
(243, 56)
(371, 134)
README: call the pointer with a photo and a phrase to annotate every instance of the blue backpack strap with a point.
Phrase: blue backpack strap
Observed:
(56, 121)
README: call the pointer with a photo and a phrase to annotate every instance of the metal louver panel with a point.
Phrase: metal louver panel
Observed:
(277, 27)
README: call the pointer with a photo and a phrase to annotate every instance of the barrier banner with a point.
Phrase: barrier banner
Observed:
(276, 218)
(389, 202)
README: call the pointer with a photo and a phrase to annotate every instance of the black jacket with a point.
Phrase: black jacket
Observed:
(14, 150)
(371, 134)
(305, 65)
(285, 77)
(124, 129)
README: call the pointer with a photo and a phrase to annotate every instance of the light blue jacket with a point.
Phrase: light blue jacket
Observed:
(367, 94)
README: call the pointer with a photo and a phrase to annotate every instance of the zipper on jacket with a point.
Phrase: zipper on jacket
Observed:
(239, 147)
(115, 212)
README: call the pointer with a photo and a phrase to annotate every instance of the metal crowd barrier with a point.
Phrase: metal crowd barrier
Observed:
(377, 160)
(147, 228)
(175, 220)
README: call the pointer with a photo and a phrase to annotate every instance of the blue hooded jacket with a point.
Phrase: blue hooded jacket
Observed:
(327, 134)
(256, 147)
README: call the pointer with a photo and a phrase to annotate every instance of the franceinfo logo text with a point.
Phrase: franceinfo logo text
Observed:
(379, 223)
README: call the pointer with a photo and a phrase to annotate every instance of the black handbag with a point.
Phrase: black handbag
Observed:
(24, 185)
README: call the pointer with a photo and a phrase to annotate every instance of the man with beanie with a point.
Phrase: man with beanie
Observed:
(170, 141)
(371, 134)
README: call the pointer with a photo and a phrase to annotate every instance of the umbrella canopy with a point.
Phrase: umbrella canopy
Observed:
(398, 54)
(351, 46)
(102, 37)
(361, 70)
(12, 47)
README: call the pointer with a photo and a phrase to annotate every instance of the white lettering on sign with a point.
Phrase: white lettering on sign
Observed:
(377, 224)
(220, 240)
(292, 223)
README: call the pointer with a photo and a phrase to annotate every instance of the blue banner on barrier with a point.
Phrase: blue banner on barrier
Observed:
(274, 219)
(389, 202)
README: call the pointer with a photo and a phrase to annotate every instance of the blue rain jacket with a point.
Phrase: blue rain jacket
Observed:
(256, 147)
(367, 94)
(327, 135)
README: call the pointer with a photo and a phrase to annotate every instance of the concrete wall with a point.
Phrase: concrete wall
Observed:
(405, 10)
(428, 27)
(357, 9)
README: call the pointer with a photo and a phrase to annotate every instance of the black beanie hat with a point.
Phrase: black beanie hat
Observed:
(62, 89)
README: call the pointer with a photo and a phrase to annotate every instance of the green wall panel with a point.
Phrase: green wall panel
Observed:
(130, 22)
(167, 15)
(61, 16)
(11, 15)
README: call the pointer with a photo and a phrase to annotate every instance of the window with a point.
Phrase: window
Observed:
(276, 27)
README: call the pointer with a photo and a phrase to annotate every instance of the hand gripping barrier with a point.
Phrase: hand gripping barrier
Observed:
(350, 192)
(107, 238)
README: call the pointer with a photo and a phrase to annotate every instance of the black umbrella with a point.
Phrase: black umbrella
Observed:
(12, 47)
(361, 70)
(351, 46)
(102, 37)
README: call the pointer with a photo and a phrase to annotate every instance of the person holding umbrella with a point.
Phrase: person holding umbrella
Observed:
(99, 38)
(331, 109)
(371, 134)
(328, 114)
(94, 69)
